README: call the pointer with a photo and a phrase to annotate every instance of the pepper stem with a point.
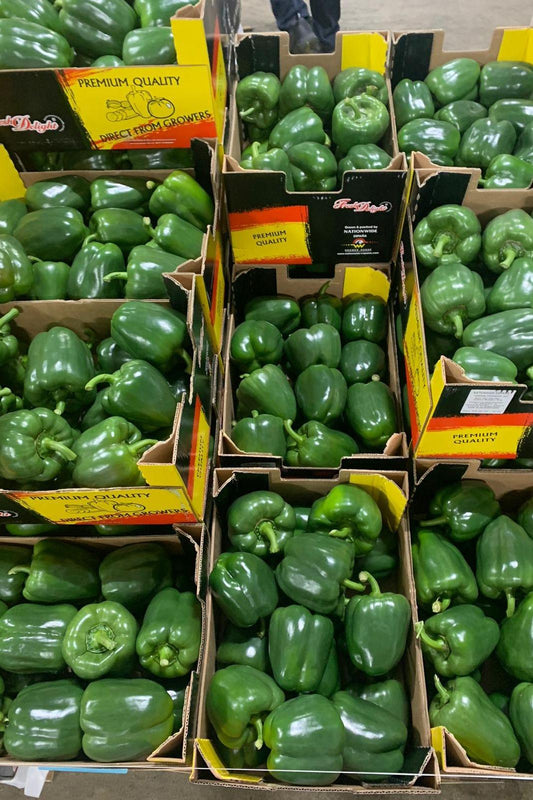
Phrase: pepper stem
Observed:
(103, 378)
(58, 447)
(443, 694)
(254, 413)
(255, 149)
(19, 568)
(298, 437)
(150, 184)
(371, 89)
(340, 533)
(457, 322)
(258, 725)
(101, 639)
(440, 605)
(357, 587)
(111, 276)
(440, 243)
(511, 602)
(430, 523)
(436, 644)
(246, 112)
(5, 392)
(375, 377)
(148, 222)
(321, 292)
(11, 314)
(267, 531)
(165, 655)
(91, 238)
(187, 360)
(60, 408)
(509, 256)
(366, 577)
(143, 445)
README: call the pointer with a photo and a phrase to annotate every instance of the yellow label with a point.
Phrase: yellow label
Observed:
(415, 362)
(366, 280)
(69, 507)
(146, 106)
(213, 307)
(404, 207)
(162, 475)
(220, 88)
(517, 45)
(200, 461)
(271, 236)
(438, 742)
(212, 759)
(387, 494)
(11, 185)
(485, 441)
(364, 50)
(190, 41)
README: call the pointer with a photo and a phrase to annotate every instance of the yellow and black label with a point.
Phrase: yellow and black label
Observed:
(211, 292)
(418, 387)
(271, 235)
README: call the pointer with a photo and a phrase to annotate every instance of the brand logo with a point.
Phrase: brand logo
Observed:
(22, 122)
(8, 514)
(363, 206)
(360, 242)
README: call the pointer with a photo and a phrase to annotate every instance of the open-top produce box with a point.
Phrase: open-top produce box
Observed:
(467, 329)
(299, 206)
(473, 569)
(335, 342)
(469, 109)
(305, 648)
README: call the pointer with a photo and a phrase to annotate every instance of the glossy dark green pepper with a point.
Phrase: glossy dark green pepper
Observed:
(521, 715)
(383, 558)
(364, 317)
(361, 361)
(144, 272)
(299, 643)
(506, 237)
(371, 413)
(268, 391)
(134, 574)
(454, 80)
(91, 265)
(109, 356)
(300, 125)
(437, 139)
(465, 508)
(363, 156)
(321, 308)
(71, 190)
(362, 119)
(442, 574)
(354, 81)
(98, 27)
(451, 296)
(513, 288)
(515, 648)
(504, 79)
(16, 274)
(151, 332)
(412, 100)
(388, 694)
(29, 45)
(483, 365)
(174, 235)
(318, 344)
(51, 234)
(121, 192)
(242, 646)
(504, 561)
(11, 212)
(260, 522)
(257, 97)
(525, 517)
(321, 393)
(260, 433)
(461, 113)
(347, 512)
(119, 226)
(280, 310)
(316, 445)
(448, 233)
(153, 13)
(147, 46)
(31, 636)
(50, 280)
(307, 87)
(508, 333)
(507, 172)
(313, 167)
(483, 140)
(12, 583)
(182, 195)
(518, 112)
(244, 587)
(259, 156)
(39, 11)
(524, 145)
(255, 343)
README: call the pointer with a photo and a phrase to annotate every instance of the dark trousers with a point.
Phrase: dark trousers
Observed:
(326, 15)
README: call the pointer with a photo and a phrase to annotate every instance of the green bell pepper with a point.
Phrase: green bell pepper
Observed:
(307, 87)
(501, 701)
(387, 612)
(144, 272)
(59, 572)
(461, 113)
(364, 317)
(318, 344)
(521, 715)
(504, 561)
(464, 507)
(482, 365)
(451, 296)
(180, 194)
(29, 45)
(238, 699)
(121, 192)
(96, 27)
(11, 584)
(124, 719)
(100, 640)
(168, 643)
(241, 646)
(257, 97)
(359, 80)
(153, 13)
(252, 151)
(260, 523)
(483, 141)
(437, 139)
(383, 558)
(255, 343)
(87, 160)
(54, 382)
(259, 156)
(507, 172)
(9, 401)
(508, 333)
(35, 445)
(313, 167)
(321, 308)
(268, 391)
(482, 729)
(50, 280)
(134, 574)
(14, 369)
(302, 518)
(44, 722)
(305, 736)
(71, 190)
(501, 80)
(9, 345)
(119, 226)
(362, 119)
(52, 234)
(148, 46)
(299, 644)
(31, 637)
(518, 112)
(374, 738)
(39, 11)
(280, 310)
(174, 235)
(524, 145)
(525, 517)
(94, 414)
(389, 695)
(244, 587)
(412, 100)
(321, 393)
(442, 574)
(459, 640)
(315, 569)
(11, 212)
(513, 288)
(371, 413)
(260, 433)
(91, 265)
(363, 156)
(165, 158)
(125, 397)
(108, 61)
(455, 80)
(449, 233)
(347, 512)
(506, 237)
(316, 445)
(16, 273)
(361, 361)
(151, 332)
(300, 125)
(515, 648)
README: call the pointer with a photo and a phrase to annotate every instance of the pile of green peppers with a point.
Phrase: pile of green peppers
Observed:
(145, 159)
(75, 416)
(69, 238)
(95, 650)
(347, 713)
(292, 125)
(87, 33)
(478, 291)
(473, 568)
(307, 373)
(471, 116)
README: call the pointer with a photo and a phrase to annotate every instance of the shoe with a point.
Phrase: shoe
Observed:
(302, 38)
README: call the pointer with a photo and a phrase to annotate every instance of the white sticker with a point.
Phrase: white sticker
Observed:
(488, 401)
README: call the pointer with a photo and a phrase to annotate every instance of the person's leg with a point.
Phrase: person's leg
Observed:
(293, 16)
(326, 16)
(287, 12)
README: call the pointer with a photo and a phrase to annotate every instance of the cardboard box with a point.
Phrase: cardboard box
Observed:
(177, 750)
(413, 55)
(390, 490)
(269, 225)
(453, 416)
(176, 469)
(511, 488)
(82, 108)
(347, 279)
